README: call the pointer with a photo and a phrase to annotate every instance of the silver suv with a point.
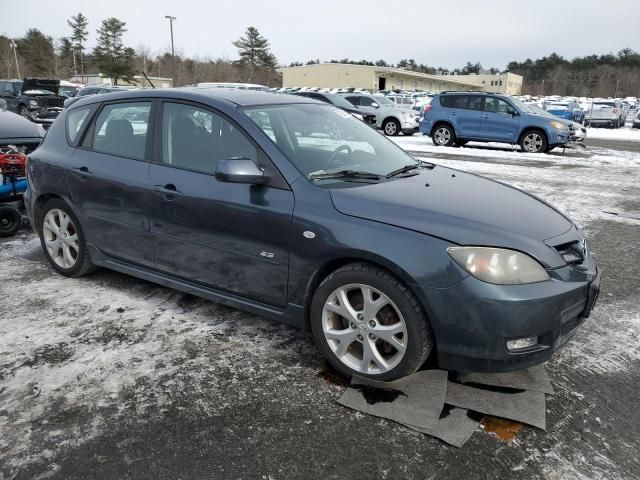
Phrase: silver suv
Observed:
(389, 117)
(611, 113)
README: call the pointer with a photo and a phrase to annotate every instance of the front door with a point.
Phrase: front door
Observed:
(497, 124)
(233, 237)
(108, 181)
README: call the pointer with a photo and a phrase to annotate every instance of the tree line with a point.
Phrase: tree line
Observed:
(39, 55)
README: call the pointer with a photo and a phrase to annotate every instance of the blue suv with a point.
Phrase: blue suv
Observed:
(454, 118)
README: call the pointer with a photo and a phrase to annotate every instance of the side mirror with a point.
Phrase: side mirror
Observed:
(240, 170)
(3, 105)
(375, 105)
(511, 111)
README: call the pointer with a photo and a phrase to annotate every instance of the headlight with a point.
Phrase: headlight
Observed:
(559, 126)
(498, 265)
(33, 103)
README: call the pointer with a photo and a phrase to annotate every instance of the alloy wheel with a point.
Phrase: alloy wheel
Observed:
(61, 238)
(532, 142)
(442, 136)
(364, 329)
(391, 128)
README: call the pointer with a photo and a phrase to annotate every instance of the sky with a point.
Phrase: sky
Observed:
(437, 33)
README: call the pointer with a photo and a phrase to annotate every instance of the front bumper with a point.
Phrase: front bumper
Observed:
(45, 116)
(473, 320)
(410, 124)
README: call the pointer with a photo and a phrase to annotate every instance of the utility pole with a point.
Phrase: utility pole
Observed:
(615, 95)
(15, 56)
(173, 54)
(75, 69)
(542, 89)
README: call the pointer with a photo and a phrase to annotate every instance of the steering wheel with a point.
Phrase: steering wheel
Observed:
(334, 155)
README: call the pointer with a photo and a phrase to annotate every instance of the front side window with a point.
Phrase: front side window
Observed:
(495, 105)
(197, 139)
(321, 139)
(121, 129)
(75, 121)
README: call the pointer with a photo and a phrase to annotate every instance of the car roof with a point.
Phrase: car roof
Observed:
(230, 95)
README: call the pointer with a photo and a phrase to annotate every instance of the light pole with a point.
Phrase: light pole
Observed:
(173, 54)
(15, 56)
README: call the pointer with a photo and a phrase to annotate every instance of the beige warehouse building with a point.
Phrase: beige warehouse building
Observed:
(337, 75)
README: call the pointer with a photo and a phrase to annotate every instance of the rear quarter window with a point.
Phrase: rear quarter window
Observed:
(76, 120)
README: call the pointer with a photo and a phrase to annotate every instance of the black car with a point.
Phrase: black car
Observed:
(36, 99)
(18, 132)
(342, 104)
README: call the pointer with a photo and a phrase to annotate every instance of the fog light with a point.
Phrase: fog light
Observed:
(521, 343)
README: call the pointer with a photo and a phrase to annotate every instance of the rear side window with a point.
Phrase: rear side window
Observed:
(467, 102)
(197, 139)
(353, 100)
(121, 129)
(76, 120)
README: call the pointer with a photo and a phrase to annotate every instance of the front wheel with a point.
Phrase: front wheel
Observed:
(391, 127)
(533, 141)
(366, 322)
(63, 241)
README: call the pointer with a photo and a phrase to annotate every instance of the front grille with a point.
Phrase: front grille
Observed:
(48, 102)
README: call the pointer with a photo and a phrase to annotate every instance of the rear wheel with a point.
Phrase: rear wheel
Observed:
(368, 323)
(10, 221)
(63, 241)
(533, 141)
(443, 136)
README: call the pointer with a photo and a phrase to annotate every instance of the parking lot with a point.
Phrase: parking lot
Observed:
(108, 376)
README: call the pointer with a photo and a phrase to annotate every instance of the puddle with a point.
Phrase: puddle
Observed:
(504, 429)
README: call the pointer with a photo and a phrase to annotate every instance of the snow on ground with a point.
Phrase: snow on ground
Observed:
(626, 133)
(83, 358)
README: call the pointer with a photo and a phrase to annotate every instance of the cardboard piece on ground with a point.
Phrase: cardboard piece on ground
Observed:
(534, 378)
(416, 400)
(455, 428)
(526, 407)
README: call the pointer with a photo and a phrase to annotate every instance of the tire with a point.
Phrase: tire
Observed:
(443, 135)
(10, 221)
(52, 225)
(24, 111)
(391, 127)
(533, 141)
(393, 307)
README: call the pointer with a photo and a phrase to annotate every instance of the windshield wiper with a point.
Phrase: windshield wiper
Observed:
(344, 174)
(408, 168)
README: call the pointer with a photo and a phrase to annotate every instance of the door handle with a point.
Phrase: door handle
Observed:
(82, 172)
(453, 114)
(168, 190)
(485, 115)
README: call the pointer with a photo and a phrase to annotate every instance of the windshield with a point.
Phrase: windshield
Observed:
(523, 107)
(321, 139)
(385, 101)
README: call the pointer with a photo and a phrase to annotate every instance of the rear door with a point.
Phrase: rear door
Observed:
(497, 124)
(230, 236)
(463, 111)
(108, 180)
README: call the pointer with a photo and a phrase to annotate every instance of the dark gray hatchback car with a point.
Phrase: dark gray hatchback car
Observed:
(295, 210)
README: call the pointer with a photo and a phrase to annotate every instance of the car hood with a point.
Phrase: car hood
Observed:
(462, 208)
(40, 84)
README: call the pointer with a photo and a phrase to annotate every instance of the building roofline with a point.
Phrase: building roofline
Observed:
(394, 70)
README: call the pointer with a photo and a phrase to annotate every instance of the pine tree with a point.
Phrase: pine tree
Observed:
(36, 49)
(255, 55)
(79, 35)
(113, 58)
